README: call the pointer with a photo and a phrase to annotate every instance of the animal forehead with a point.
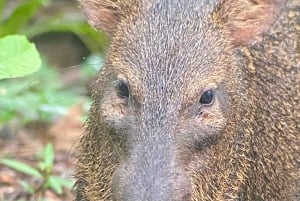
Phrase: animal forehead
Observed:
(164, 13)
(170, 47)
(167, 6)
(169, 36)
(177, 4)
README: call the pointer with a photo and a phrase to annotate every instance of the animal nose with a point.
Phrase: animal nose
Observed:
(151, 174)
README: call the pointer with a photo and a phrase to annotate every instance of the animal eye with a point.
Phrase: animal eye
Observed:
(207, 97)
(122, 89)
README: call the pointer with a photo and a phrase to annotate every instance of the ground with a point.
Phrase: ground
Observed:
(23, 144)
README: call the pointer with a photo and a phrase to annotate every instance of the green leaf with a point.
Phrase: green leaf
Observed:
(48, 155)
(18, 57)
(55, 183)
(21, 167)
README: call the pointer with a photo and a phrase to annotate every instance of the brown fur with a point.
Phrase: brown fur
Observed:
(248, 146)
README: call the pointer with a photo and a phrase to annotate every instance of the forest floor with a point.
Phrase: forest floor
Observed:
(23, 144)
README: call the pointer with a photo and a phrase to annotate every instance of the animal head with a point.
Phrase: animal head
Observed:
(172, 93)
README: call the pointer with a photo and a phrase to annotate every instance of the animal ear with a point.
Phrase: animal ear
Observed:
(247, 20)
(102, 14)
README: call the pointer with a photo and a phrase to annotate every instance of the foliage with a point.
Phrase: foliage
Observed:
(42, 172)
(40, 96)
(20, 16)
(18, 57)
(23, 20)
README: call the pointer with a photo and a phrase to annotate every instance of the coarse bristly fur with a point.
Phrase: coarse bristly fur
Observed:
(160, 142)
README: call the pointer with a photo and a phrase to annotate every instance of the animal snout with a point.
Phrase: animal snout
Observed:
(151, 175)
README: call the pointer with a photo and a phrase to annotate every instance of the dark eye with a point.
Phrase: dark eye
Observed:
(122, 89)
(207, 97)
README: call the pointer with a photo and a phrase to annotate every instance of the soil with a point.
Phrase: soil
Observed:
(23, 144)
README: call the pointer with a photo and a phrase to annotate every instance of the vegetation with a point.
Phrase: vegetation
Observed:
(18, 57)
(27, 18)
(42, 172)
(31, 89)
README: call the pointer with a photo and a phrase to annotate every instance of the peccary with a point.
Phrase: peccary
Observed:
(198, 100)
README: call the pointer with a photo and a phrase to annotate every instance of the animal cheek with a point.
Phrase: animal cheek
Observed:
(216, 119)
(112, 111)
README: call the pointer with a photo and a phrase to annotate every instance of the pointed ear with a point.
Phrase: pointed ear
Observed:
(102, 14)
(247, 20)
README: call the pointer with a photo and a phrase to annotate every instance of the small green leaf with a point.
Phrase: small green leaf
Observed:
(18, 57)
(21, 167)
(55, 183)
(48, 155)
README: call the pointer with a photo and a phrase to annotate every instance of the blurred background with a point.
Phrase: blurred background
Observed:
(42, 115)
